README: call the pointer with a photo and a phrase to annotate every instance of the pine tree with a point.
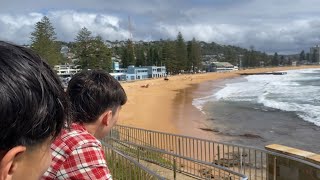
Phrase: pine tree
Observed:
(253, 62)
(141, 60)
(197, 55)
(168, 57)
(124, 58)
(92, 52)
(130, 58)
(181, 53)
(156, 59)
(275, 59)
(150, 56)
(83, 42)
(302, 56)
(100, 55)
(194, 55)
(190, 55)
(246, 59)
(43, 41)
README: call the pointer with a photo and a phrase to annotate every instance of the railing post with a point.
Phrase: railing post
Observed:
(150, 140)
(218, 155)
(241, 160)
(138, 156)
(128, 135)
(179, 147)
(179, 150)
(274, 168)
(174, 169)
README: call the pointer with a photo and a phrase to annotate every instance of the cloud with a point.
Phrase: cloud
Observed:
(68, 24)
(292, 36)
(282, 26)
(17, 28)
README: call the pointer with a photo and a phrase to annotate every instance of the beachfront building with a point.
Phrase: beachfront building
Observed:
(130, 77)
(156, 71)
(66, 70)
(137, 72)
(220, 67)
(119, 76)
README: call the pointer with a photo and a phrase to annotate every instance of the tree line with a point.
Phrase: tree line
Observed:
(177, 55)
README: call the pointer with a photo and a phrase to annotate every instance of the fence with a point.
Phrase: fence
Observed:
(123, 167)
(176, 163)
(241, 159)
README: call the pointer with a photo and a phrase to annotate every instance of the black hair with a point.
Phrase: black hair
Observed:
(33, 105)
(93, 92)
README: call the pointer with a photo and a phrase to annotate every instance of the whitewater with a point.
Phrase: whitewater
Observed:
(298, 91)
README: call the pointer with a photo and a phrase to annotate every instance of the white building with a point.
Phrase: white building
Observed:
(119, 76)
(156, 71)
(66, 70)
(223, 67)
(138, 72)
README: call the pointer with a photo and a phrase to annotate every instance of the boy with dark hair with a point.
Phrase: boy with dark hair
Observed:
(33, 109)
(96, 99)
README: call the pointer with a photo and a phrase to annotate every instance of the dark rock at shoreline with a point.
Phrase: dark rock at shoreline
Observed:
(210, 130)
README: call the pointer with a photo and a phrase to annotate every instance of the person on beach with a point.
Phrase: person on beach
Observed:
(96, 99)
(33, 111)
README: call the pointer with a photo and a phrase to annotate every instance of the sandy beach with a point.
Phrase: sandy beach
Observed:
(167, 105)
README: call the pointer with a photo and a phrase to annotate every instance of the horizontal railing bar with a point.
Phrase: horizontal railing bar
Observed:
(182, 157)
(223, 143)
(133, 161)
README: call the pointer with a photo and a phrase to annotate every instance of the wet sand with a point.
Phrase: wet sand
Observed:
(167, 105)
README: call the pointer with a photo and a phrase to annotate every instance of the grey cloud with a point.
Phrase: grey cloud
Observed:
(283, 26)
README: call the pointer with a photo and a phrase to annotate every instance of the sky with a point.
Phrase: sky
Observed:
(283, 26)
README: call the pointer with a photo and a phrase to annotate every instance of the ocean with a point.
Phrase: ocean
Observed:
(258, 110)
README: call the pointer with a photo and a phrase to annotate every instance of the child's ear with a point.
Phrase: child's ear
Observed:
(106, 117)
(10, 161)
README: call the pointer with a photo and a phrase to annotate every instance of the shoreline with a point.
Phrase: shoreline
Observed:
(167, 105)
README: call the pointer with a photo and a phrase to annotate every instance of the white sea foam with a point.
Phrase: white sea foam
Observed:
(292, 92)
(200, 102)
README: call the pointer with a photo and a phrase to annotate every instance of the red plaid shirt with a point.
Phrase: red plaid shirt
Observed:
(76, 154)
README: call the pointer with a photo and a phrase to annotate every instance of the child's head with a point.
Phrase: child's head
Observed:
(96, 98)
(33, 108)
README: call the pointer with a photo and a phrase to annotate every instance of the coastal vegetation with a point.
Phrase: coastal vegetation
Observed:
(178, 55)
(43, 41)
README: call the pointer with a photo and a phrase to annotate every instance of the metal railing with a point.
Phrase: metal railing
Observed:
(124, 167)
(242, 159)
(176, 163)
